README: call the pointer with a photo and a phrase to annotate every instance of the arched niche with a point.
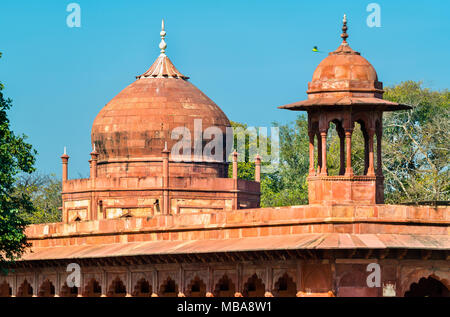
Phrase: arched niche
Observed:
(142, 288)
(254, 287)
(67, 291)
(169, 288)
(429, 286)
(47, 289)
(196, 288)
(117, 288)
(25, 289)
(5, 289)
(224, 287)
(285, 287)
(93, 289)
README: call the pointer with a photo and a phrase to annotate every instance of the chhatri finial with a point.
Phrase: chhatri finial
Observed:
(163, 44)
(344, 34)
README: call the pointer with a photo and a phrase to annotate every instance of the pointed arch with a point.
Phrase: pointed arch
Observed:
(117, 288)
(169, 288)
(47, 289)
(225, 287)
(254, 287)
(430, 286)
(67, 291)
(285, 287)
(5, 289)
(142, 288)
(25, 289)
(93, 289)
(196, 288)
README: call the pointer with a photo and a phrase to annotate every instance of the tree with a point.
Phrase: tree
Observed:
(45, 194)
(288, 185)
(416, 145)
(15, 156)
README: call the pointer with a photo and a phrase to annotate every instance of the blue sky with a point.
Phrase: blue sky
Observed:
(247, 56)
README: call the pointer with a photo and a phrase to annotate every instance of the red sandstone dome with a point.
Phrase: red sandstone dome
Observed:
(345, 78)
(134, 126)
(345, 65)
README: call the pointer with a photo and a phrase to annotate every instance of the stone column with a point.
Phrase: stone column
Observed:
(379, 133)
(341, 135)
(235, 180)
(370, 169)
(312, 172)
(257, 168)
(348, 142)
(165, 163)
(65, 161)
(93, 164)
(323, 170)
(319, 153)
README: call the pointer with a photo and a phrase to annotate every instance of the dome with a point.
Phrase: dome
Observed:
(344, 78)
(345, 66)
(344, 72)
(131, 131)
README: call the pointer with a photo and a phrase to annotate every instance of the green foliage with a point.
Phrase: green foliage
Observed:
(416, 145)
(15, 156)
(246, 169)
(287, 185)
(45, 194)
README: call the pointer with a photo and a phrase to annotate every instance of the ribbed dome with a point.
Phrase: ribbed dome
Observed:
(130, 132)
(139, 120)
(344, 66)
(344, 72)
(344, 78)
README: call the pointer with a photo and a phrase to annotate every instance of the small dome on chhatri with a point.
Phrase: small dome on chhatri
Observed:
(344, 78)
(345, 64)
(136, 124)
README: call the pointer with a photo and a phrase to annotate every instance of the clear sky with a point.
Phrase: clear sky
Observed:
(247, 56)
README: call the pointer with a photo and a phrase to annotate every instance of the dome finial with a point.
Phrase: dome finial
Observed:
(163, 44)
(344, 34)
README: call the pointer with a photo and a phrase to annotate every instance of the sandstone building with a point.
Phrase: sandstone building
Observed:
(144, 224)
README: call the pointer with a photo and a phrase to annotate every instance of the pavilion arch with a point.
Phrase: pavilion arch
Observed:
(169, 288)
(431, 286)
(254, 287)
(47, 289)
(285, 287)
(117, 288)
(142, 288)
(196, 288)
(339, 127)
(355, 278)
(5, 289)
(224, 287)
(92, 289)
(360, 161)
(317, 280)
(67, 291)
(25, 289)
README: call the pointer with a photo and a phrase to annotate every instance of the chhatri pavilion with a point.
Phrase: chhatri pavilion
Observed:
(147, 224)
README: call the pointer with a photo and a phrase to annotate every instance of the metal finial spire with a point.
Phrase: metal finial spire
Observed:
(344, 34)
(163, 44)
(65, 150)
